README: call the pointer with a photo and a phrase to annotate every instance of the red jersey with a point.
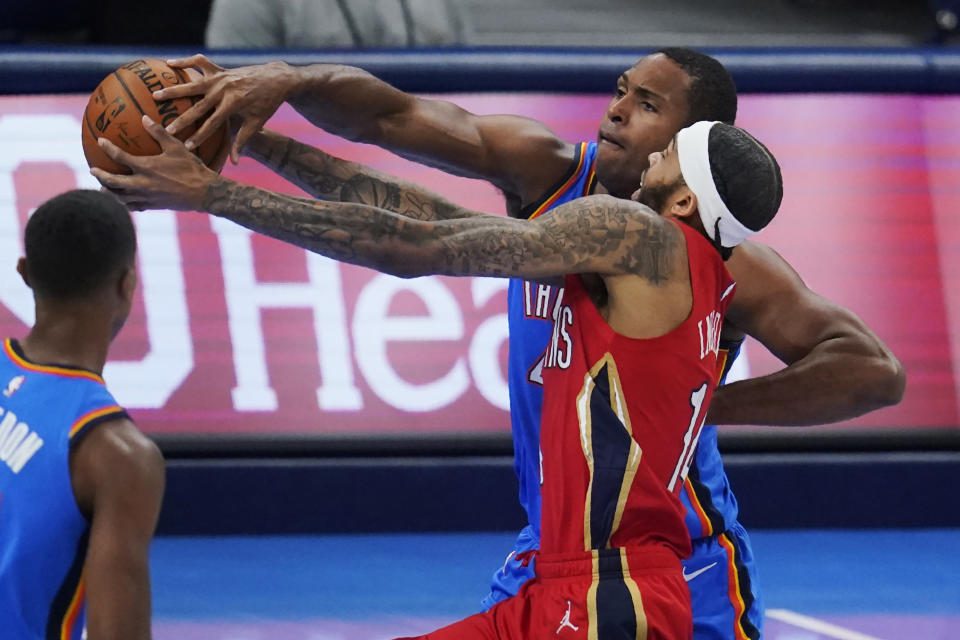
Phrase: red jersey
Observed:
(621, 417)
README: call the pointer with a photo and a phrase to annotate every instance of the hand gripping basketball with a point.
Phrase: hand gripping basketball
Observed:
(173, 179)
(117, 105)
(251, 94)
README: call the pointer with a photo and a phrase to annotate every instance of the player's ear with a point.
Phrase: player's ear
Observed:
(682, 203)
(22, 270)
(127, 285)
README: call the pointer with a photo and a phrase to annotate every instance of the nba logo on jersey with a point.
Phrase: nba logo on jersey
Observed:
(15, 383)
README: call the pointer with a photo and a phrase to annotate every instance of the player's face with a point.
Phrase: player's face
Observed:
(661, 180)
(647, 109)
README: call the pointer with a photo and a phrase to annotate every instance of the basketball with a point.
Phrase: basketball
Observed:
(116, 106)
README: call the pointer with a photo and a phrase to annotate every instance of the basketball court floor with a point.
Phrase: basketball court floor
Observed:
(818, 585)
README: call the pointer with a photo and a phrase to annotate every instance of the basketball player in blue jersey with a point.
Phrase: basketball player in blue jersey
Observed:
(80, 486)
(836, 367)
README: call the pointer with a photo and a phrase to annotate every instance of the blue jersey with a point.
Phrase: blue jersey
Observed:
(709, 501)
(530, 318)
(706, 494)
(44, 410)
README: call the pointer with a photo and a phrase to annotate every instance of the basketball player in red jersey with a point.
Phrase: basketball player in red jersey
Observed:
(629, 372)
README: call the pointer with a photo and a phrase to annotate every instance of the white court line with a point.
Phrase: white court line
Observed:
(818, 626)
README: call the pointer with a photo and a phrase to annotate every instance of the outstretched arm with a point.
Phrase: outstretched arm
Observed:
(837, 368)
(520, 156)
(598, 234)
(330, 178)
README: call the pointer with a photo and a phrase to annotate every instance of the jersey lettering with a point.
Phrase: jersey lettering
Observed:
(709, 329)
(536, 300)
(18, 443)
(561, 346)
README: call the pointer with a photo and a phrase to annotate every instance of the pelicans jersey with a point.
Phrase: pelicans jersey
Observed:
(711, 508)
(44, 411)
(622, 416)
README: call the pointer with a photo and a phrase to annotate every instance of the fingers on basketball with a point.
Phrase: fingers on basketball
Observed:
(119, 102)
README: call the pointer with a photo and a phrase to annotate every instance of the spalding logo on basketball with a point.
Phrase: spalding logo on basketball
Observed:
(117, 105)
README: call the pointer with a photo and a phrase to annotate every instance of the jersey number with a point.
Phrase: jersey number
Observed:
(690, 437)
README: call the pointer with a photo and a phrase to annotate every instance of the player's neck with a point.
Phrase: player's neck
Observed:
(72, 339)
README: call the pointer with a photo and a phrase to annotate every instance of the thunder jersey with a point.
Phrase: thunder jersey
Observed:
(44, 410)
(622, 416)
(529, 308)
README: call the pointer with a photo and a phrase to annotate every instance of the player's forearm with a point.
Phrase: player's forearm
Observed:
(840, 379)
(472, 245)
(344, 100)
(356, 233)
(331, 178)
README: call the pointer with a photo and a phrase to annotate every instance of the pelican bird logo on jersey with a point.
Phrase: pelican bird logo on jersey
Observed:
(15, 383)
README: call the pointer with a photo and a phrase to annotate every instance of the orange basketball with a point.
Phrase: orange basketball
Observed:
(118, 103)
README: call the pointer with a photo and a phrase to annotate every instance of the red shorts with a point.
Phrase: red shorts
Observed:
(621, 594)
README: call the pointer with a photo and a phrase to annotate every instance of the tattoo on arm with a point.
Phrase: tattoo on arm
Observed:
(600, 235)
(330, 178)
(617, 237)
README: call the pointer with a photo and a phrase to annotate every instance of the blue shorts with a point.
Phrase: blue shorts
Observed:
(516, 569)
(721, 576)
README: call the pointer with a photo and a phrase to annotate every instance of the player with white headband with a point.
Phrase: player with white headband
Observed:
(710, 157)
(627, 376)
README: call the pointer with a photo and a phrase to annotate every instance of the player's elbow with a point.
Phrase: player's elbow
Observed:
(880, 382)
(891, 380)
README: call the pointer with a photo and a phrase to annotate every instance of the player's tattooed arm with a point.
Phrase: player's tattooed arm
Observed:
(330, 178)
(599, 234)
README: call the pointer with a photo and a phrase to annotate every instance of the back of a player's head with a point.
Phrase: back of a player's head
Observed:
(77, 242)
(712, 94)
(746, 175)
(735, 179)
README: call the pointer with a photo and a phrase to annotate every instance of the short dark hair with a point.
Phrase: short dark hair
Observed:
(712, 95)
(76, 241)
(746, 175)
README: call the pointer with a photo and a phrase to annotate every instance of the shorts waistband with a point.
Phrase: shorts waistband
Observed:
(606, 562)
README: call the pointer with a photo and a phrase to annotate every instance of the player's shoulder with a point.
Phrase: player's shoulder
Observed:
(636, 221)
(118, 445)
(765, 280)
(116, 463)
(755, 265)
(532, 159)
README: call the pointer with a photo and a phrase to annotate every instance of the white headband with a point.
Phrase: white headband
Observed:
(695, 168)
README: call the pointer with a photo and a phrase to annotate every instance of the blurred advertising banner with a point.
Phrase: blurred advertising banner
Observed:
(238, 333)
